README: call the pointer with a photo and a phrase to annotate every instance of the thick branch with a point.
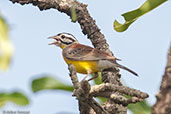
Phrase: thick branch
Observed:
(81, 92)
(163, 104)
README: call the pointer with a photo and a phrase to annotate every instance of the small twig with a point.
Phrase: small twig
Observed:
(134, 100)
(73, 76)
(119, 99)
(97, 89)
(122, 100)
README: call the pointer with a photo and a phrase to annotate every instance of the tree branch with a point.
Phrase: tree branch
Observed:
(81, 92)
(163, 104)
(97, 89)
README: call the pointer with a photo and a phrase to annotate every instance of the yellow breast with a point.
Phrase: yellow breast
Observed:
(84, 66)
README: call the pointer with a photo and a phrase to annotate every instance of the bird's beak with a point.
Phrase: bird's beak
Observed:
(54, 37)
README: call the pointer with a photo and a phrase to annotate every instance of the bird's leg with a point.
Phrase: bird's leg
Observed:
(95, 76)
(85, 77)
(88, 73)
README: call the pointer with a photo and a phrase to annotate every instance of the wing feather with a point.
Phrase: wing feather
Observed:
(85, 53)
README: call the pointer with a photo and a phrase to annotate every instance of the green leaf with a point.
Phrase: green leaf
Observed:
(73, 12)
(98, 79)
(102, 99)
(49, 83)
(132, 16)
(15, 97)
(6, 48)
(140, 108)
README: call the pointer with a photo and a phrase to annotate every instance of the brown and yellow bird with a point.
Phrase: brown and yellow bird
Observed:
(86, 60)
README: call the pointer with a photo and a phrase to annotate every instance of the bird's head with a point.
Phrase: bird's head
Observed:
(63, 40)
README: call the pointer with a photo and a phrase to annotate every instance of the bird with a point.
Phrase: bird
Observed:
(86, 60)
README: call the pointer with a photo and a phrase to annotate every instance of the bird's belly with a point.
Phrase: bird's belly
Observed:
(84, 66)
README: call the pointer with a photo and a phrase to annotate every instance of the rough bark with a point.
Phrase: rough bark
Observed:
(163, 104)
(89, 28)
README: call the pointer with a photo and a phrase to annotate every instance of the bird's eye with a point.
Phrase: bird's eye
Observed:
(63, 36)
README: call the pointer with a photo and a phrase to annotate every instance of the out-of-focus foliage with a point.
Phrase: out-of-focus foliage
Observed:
(49, 83)
(132, 16)
(6, 48)
(15, 97)
(140, 108)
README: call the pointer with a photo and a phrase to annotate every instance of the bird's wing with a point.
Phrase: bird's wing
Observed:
(85, 53)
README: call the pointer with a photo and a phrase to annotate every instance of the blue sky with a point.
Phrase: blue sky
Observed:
(143, 48)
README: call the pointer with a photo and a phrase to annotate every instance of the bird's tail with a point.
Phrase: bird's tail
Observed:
(125, 68)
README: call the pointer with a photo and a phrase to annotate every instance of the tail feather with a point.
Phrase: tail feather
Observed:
(125, 68)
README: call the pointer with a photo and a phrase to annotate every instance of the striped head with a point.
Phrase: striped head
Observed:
(63, 40)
